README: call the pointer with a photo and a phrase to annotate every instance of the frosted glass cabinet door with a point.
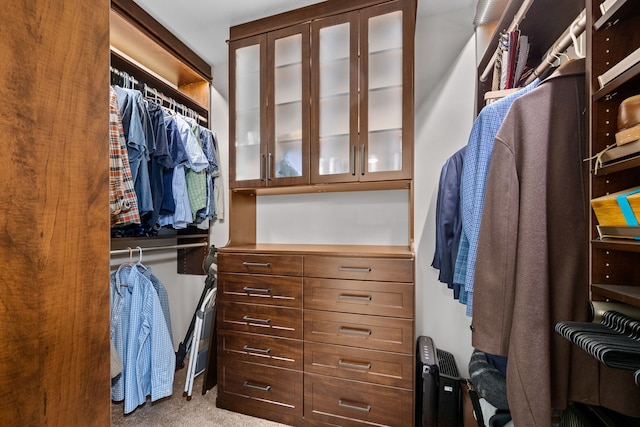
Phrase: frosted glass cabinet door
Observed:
(384, 93)
(288, 154)
(247, 159)
(334, 130)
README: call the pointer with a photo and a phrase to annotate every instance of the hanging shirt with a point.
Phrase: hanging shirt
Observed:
(472, 187)
(160, 162)
(448, 224)
(138, 135)
(196, 180)
(123, 202)
(139, 333)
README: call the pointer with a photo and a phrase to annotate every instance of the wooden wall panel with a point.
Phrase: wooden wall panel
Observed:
(54, 225)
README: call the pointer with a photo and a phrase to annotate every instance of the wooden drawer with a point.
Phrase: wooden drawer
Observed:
(391, 369)
(259, 388)
(257, 289)
(260, 319)
(350, 403)
(358, 330)
(337, 267)
(363, 297)
(244, 347)
(279, 265)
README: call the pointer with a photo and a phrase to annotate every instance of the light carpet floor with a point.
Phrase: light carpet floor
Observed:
(175, 410)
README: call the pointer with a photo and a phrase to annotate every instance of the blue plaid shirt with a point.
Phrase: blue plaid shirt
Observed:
(139, 333)
(472, 188)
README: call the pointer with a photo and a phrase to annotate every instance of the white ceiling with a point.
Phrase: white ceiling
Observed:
(203, 25)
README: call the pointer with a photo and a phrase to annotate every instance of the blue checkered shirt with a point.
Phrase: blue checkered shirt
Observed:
(473, 185)
(139, 333)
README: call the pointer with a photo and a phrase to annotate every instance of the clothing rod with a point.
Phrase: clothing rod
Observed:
(517, 19)
(576, 28)
(157, 248)
(153, 94)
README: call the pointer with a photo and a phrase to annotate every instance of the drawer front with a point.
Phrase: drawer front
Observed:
(349, 403)
(363, 297)
(391, 369)
(357, 330)
(382, 269)
(243, 347)
(270, 389)
(260, 319)
(257, 289)
(280, 265)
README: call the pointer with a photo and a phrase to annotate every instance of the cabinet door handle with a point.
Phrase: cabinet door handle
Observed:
(263, 161)
(352, 405)
(257, 350)
(362, 160)
(355, 269)
(355, 297)
(352, 163)
(256, 290)
(256, 320)
(256, 264)
(256, 386)
(269, 157)
(355, 365)
(354, 331)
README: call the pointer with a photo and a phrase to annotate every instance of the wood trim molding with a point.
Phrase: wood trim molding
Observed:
(303, 14)
(133, 13)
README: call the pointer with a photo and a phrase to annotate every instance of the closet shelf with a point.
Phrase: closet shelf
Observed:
(619, 81)
(621, 165)
(620, 10)
(625, 245)
(621, 293)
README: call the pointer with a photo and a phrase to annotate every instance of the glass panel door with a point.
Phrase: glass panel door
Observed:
(289, 92)
(248, 113)
(385, 105)
(288, 106)
(335, 100)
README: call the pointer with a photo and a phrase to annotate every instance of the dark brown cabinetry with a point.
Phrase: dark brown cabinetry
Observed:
(323, 94)
(317, 336)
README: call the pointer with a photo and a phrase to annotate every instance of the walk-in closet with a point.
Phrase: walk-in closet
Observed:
(320, 213)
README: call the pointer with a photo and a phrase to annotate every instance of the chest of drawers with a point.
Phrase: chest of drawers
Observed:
(317, 339)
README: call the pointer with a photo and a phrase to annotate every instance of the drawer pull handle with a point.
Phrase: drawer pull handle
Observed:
(257, 264)
(355, 269)
(355, 365)
(354, 331)
(256, 290)
(257, 350)
(257, 386)
(352, 405)
(355, 297)
(255, 320)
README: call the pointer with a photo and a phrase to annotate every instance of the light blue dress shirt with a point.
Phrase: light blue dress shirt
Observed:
(139, 333)
(473, 185)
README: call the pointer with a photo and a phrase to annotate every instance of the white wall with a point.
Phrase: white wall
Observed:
(444, 116)
(444, 112)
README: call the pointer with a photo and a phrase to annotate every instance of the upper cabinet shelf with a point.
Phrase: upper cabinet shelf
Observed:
(348, 99)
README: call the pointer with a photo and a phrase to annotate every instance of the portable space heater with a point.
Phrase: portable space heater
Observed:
(437, 386)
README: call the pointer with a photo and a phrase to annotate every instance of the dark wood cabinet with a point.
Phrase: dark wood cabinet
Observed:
(322, 95)
(341, 325)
